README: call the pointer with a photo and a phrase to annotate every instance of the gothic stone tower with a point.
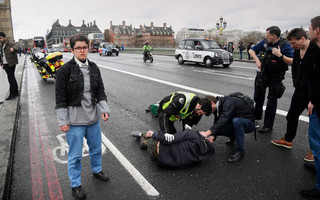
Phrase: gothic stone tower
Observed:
(6, 19)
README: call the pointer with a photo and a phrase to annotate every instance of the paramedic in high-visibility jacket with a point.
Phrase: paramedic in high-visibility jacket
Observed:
(183, 106)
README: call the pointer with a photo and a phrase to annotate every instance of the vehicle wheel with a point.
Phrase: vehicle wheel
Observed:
(117, 54)
(226, 65)
(45, 80)
(208, 62)
(180, 60)
(151, 59)
(100, 54)
(144, 60)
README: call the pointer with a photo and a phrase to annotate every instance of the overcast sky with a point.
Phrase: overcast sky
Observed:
(35, 17)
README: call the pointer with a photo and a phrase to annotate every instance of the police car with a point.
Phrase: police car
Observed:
(203, 51)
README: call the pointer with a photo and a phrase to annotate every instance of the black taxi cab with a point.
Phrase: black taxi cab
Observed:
(203, 51)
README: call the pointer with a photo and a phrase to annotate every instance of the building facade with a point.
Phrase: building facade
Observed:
(185, 33)
(129, 36)
(62, 34)
(6, 19)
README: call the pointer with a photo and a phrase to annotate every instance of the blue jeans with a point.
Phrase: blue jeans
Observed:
(314, 141)
(236, 128)
(75, 141)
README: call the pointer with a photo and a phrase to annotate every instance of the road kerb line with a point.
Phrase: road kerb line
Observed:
(146, 186)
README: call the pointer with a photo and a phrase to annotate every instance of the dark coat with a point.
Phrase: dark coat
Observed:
(11, 57)
(300, 67)
(187, 148)
(70, 85)
(228, 109)
(315, 83)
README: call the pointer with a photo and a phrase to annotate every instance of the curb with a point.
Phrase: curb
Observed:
(9, 117)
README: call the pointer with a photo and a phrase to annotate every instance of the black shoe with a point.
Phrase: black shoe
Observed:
(101, 175)
(10, 97)
(78, 192)
(310, 166)
(265, 130)
(1, 102)
(236, 157)
(314, 193)
(135, 134)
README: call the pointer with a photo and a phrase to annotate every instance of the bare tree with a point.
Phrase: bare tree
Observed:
(254, 37)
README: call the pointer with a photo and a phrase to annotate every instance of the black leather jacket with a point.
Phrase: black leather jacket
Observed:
(70, 85)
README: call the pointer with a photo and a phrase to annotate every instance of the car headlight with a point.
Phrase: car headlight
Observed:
(231, 54)
(216, 55)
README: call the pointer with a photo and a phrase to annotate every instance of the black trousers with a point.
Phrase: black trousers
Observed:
(12, 79)
(299, 102)
(166, 128)
(259, 96)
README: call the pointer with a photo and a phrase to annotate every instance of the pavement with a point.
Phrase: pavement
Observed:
(9, 117)
(9, 114)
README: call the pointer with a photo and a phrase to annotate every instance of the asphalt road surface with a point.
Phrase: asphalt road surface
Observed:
(40, 160)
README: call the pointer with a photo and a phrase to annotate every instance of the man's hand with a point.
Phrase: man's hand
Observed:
(105, 116)
(65, 128)
(186, 126)
(310, 108)
(205, 133)
(149, 134)
(11, 49)
(276, 51)
(169, 137)
(258, 64)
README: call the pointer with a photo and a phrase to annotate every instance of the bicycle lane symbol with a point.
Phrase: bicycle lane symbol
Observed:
(60, 153)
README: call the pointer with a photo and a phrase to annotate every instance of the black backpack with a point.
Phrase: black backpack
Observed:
(247, 100)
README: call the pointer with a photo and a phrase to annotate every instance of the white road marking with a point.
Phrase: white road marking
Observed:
(228, 74)
(150, 190)
(280, 112)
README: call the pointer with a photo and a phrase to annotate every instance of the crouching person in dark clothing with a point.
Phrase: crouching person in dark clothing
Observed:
(179, 150)
(232, 118)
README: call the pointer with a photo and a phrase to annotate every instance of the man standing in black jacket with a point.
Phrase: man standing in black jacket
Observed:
(232, 118)
(304, 54)
(186, 147)
(80, 102)
(314, 109)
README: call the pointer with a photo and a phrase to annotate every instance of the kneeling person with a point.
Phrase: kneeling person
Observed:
(179, 150)
(232, 118)
(179, 106)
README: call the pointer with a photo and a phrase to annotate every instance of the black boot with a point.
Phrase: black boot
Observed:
(235, 157)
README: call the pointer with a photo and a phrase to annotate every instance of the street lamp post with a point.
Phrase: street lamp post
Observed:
(221, 25)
